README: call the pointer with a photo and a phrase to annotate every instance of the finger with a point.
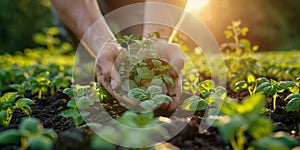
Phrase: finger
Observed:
(171, 53)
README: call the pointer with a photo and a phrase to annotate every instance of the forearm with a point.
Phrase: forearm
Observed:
(163, 14)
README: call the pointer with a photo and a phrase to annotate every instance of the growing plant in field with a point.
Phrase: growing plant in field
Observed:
(59, 81)
(8, 104)
(40, 83)
(236, 119)
(239, 45)
(121, 130)
(272, 87)
(30, 134)
(82, 98)
(250, 85)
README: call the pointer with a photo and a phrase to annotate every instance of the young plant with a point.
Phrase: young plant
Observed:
(239, 45)
(82, 97)
(273, 87)
(8, 104)
(238, 118)
(250, 84)
(144, 73)
(40, 84)
(126, 130)
(30, 134)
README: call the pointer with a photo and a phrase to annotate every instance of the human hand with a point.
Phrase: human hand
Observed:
(171, 53)
(110, 78)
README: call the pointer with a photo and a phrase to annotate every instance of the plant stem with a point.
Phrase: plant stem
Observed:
(274, 100)
(24, 144)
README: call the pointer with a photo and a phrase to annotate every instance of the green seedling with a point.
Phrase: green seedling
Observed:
(144, 73)
(194, 103)
(58, 82)
(30, 134)
(239, 45)
(144, 125)
(82, 97)
(8, 104)
(40, 84)
(238, 118)
(208, 90)
(250, 84)
(273, 87)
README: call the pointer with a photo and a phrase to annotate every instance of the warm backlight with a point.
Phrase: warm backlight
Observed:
(195, 4)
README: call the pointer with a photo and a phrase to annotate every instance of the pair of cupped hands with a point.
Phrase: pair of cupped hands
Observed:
(109, 77)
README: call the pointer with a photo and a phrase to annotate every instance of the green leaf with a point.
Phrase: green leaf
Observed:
(228, 34)
(153, 90)
(255, 47)
(261, 80)
(293, 105)
(168, 80)
(22, 102)
(260, 127)
(137, 94)
(144, 119)
(265, 87)
(9, 136)
(194, 103)
(156, 81)
(15, 86)
(250, 78)
(230, 126)
(30, 125)
(206, 86)
(8, 97)
(127, 85)
(244, 31)
(27, 110)
(298, 79)
(148, 104)
(161, 98)
(286, 84)
(69, 91)
(240, 86)
(70, 113)
(156, 63)
(254, 104)
(40, 142)
(280, 141)
(145, 73)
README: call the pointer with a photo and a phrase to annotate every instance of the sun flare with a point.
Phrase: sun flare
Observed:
(195, 4)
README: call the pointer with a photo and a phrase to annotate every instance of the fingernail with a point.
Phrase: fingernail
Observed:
(113, 84)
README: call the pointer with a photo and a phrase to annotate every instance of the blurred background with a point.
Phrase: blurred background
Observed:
(273, 24)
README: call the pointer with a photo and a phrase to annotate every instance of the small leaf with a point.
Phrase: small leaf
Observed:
(194, 103)
(228, 34)
(137, 94)
(255, 47)
(145, 73)
(286, 84)
(261, 127)
(22, 102)
(168, 80)
(69, 91)
(254, 104)
(156, 81)
(293, 105)
(156, 63)
(27, 110)
(206, 86)
(127, 85)
(161, 98)
(40, 142)
(250, 78)
(9, 136)
(30, 125)
(261, 80)
(148, 104)
(298, 79)
(153, 90)
(265, 87)
(244, 31)
(70, 113)
(240, 86)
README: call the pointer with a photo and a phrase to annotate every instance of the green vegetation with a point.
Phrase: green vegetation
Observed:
(31, 134)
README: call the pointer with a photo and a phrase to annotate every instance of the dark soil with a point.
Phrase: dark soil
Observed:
(48, 110)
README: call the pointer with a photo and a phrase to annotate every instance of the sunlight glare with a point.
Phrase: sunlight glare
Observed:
(195, 4)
